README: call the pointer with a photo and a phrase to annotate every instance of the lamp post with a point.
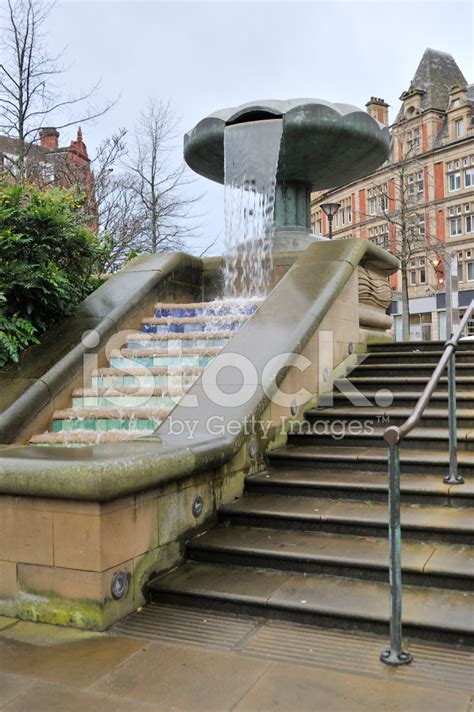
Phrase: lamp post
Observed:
(330, 209)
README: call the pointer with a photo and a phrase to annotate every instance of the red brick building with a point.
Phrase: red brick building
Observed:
(46, 163)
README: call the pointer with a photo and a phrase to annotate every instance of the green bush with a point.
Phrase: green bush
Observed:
(47, 258)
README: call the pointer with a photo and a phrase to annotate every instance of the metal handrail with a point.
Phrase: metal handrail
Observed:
(393, 436)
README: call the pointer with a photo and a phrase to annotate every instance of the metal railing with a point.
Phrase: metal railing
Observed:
(393, 436)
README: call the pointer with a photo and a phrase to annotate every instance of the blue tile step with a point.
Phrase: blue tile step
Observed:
(198, 339)
(160, 325)
(217, 308)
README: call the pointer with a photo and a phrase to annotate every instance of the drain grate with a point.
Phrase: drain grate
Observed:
(435, 665)
(187, 625)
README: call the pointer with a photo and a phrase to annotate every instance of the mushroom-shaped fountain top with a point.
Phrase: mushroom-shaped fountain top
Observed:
(323, 145)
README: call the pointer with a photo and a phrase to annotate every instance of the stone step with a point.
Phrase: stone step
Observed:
(367, 486)
(366, 459)
(371, 435)
(411, 346)
(401, 398)
(315, 598)
(410, 369)
(433, 564)
(419, 522)
(415, 357)
(432, 416)
(405, 383)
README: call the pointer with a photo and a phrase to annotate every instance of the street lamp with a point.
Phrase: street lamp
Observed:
(330, 209)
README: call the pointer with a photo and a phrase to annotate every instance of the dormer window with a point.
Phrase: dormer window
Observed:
(459, 128)
(456, 104)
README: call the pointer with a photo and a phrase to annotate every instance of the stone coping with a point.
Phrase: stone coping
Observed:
(284, 323)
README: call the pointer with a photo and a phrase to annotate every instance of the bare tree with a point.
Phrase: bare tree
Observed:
(159, 184)
(406, 210)
(30, 94)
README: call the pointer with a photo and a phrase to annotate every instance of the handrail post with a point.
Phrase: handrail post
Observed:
(394, 655)
(452, 478)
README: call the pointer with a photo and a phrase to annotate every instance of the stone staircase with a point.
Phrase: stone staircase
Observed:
(146, 379)
(308, 541)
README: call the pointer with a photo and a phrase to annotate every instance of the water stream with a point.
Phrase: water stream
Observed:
(251, 152)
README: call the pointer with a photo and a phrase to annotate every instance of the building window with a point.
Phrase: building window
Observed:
(469, 223)
(413, 278)
(420, 183)
(455, 227)
(349, 213)
(454, 181)
(372, 206)
(411, 186)
(421, 226)
(459, 128)
(384, 200)
(469, 177)
(422, 272)
(470, 271)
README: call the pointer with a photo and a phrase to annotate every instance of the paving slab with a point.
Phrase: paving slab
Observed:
(287, 688)
(189, 680)
(78, 664)
(46, 698)
(11, 686)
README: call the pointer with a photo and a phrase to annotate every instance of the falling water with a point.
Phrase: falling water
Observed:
(251, 152)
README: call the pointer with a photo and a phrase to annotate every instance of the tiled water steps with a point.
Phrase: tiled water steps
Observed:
(315, 598)
(145, 380)
(360, 485)
(159, 376)
(128, 396)
(429, 564)
(169, 324)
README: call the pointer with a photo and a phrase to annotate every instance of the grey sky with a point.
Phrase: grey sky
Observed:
(207, 55)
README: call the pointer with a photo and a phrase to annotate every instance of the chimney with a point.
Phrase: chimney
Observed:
(49, 138)
(378, 109)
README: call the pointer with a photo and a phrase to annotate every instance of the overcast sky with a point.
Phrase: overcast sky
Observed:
(207, 55)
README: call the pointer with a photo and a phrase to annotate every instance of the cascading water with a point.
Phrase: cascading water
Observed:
(251, 151)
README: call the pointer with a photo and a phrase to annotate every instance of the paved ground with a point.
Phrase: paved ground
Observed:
(194, 661)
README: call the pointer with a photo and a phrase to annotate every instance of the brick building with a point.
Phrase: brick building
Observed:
(427, 186)
(47, 163)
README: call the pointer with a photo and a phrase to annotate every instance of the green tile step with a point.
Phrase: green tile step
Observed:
(159, 376)
(128, 397)
(448, 565)
(356, 485)
(436, 523)
(108, 418)
(370, 459)
(317, 598)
